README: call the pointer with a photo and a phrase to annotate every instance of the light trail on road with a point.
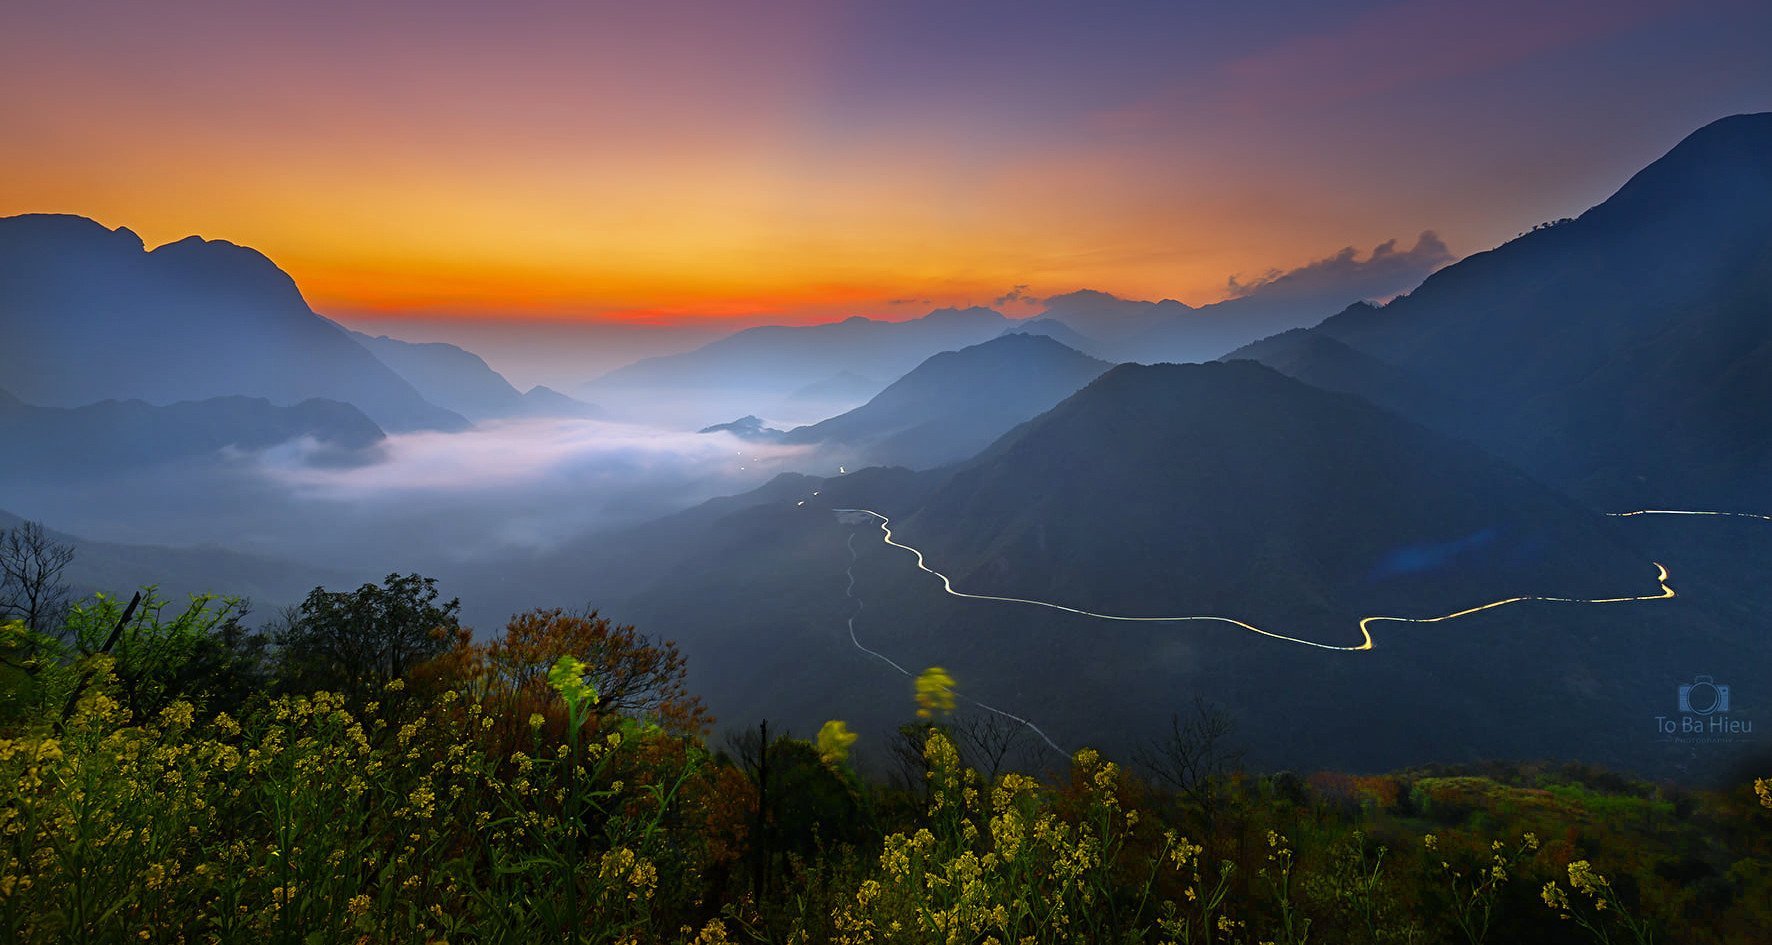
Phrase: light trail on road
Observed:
(1767, 518)
(850, 593)
(1366, 642)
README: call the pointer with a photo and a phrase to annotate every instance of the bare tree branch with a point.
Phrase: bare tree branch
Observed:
(31, 586)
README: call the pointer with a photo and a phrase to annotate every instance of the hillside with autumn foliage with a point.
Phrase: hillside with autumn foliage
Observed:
(363, 770)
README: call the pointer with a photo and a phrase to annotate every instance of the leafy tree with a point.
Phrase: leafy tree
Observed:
(359, 641)
(634, 675)
(196, 654)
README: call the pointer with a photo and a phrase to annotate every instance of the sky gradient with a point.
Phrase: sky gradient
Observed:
(742, 162)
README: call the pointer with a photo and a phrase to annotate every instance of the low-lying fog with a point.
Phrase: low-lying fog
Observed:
(439, 503)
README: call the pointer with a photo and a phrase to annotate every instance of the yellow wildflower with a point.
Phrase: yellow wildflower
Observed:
(935, 692)
(834, 739)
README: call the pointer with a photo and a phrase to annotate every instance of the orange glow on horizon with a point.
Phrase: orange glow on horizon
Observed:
(711, 162)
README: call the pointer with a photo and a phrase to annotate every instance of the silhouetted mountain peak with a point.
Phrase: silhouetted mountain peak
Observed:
(1095, 297)
(1727, 162)
(190, 320)
(51, 231)
(225, 268)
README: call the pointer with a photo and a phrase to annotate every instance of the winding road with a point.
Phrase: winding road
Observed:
(1365, 625)
(876, 654)
(1366, 640)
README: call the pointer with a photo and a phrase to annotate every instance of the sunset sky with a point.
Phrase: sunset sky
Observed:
(805, 161)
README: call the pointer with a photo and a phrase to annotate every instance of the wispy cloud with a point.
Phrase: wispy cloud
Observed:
(1015, 296)
(1387, 271)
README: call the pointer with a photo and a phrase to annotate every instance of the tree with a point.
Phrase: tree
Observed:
(199, 653)
(31, 586)
(990, 743)
(1195, 758)
(635, 676)
(359, 641)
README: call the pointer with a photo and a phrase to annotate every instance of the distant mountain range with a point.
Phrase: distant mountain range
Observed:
(843, 389)
(1625, 355)
(115, 437)
(770, 364)
(1149, 332)
(955, 404)
(89, 316)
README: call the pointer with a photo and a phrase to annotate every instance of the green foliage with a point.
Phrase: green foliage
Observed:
(359, 641)
(161, 655)
(180, 801)
(199, 653)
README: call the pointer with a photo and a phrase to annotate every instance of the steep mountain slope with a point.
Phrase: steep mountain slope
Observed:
(1231, 489)
(459, 380)
(86, 314)
(1058, 331)
(1321, 361)
(843, 385)
(1626, 354)
(112, 436)
(956, 403)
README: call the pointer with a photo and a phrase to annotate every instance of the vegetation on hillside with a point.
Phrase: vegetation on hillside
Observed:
(365, 771)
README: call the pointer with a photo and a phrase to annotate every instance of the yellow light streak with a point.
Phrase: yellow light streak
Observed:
(1366, 643)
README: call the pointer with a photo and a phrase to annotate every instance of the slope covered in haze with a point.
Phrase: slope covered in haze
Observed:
(956, 403)
(758, 367)
(460, 380)
(1626, 354)
(87, 314)
(123, 436)
(1321, 361)
(1232, 489)
(180, 572)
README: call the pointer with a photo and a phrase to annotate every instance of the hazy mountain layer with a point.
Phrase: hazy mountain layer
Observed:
(459, 380)
(764, 366)
(121, 437)
(956, 403)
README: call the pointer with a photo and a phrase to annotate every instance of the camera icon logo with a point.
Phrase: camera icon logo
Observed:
(1703, 696)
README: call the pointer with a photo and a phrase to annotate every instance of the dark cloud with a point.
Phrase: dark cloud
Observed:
(910, 301)
(1385, 273)
(1015, 294)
